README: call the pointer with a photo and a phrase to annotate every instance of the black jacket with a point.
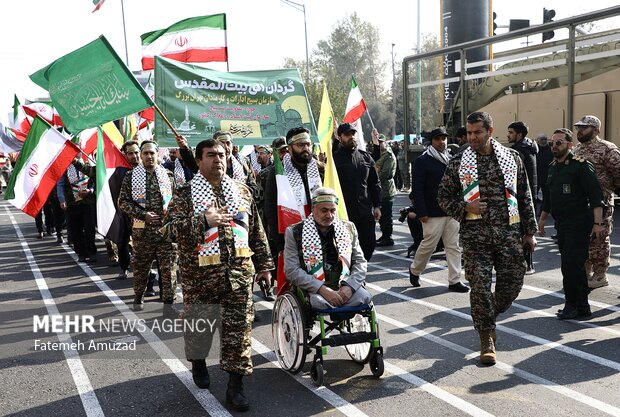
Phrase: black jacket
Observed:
(528, 149)
(359, 181)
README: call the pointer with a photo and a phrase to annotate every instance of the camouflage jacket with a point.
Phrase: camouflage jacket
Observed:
(154, 203)
(189, 230)
(491, 181)
(605, 157)
(386, 168)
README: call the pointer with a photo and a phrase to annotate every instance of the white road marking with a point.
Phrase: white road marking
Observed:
(91, 405)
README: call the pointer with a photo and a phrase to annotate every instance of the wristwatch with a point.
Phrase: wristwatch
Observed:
(599, 223)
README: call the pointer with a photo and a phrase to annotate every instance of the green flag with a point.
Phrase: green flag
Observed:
(91, 86)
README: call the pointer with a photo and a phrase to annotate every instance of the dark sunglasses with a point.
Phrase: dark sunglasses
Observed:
(558, 142)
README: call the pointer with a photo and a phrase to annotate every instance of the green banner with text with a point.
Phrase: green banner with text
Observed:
(256, 107)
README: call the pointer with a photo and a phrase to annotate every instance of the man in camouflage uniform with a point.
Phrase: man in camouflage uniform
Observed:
(574, 197)
(485, 187)
(323, 239)
(605, 157)
(144, 198)
(222, 245)
(386, 168)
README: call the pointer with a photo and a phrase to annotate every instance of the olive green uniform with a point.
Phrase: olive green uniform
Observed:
(572, 190)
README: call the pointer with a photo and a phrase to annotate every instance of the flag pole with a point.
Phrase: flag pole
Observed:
(125, 34)
(176, 133)
(370, 118)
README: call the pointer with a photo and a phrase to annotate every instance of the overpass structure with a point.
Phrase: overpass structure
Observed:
(548, 85)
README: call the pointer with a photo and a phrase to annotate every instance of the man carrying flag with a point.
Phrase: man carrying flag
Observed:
(289, 186)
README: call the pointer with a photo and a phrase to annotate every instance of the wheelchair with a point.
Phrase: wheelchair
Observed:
(293, 319)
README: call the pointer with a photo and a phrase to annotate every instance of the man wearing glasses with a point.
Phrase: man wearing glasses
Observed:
(605, 157)
(574, 197)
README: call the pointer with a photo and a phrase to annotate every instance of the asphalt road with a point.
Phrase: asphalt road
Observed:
(545, 366)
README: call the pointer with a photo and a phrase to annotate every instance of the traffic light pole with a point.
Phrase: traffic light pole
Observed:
(571, 74)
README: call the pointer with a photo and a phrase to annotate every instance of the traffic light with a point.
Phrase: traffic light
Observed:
(548, 16)
(494, 24)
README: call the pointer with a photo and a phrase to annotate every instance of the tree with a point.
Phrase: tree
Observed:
(351, 49)
(431, 96)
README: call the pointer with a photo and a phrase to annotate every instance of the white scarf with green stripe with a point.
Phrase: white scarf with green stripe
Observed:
(312, 250)
(138, 185)
(202, 199)
(468, 175)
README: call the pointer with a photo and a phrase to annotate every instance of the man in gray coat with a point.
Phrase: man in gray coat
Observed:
(322, 256)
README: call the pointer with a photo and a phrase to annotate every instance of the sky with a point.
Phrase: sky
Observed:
(261, 33)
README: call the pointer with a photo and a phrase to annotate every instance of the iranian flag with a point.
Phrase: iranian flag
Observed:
(98, 4)
(197, 39)
(109, 159)
(288, 212)
(354, 111)
(47, 112)
(44, 158)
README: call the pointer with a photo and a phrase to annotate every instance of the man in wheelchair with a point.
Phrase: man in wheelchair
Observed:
(323, 257)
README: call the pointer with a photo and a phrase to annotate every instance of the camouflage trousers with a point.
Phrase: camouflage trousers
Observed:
(481, 254)
(145, 251)
(600, 249)
(235, 327)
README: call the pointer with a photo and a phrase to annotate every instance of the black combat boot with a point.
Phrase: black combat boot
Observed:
(200, 374)
(138, 303)
(234, 394)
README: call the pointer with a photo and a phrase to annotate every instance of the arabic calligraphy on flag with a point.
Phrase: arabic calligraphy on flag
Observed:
(91, 86)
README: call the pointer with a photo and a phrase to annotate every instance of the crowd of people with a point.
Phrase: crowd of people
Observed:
(212, 217)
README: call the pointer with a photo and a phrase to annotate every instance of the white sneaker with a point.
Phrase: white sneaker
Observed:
(529, 271)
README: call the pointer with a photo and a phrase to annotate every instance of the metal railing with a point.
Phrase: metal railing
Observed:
(568, 46)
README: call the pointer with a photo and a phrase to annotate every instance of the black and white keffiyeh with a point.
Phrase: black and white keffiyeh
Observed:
(179, 172)
(254, 162)
(313, 251)
(138, 185)
(77, 181)
(468, 175)
(237, 170)
(297, 184)
(237, 206)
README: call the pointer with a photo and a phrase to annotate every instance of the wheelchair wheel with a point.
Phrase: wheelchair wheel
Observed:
(359, 352)
(376, 363)
(289, 333)
(316, 373)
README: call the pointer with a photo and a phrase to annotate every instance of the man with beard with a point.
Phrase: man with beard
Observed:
(302, 173)
(485, 188)
(528, 149)
(574, 198)
(362, 195)
(605, 157)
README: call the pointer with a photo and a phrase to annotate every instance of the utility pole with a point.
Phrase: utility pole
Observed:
(393, 92)
(302, 8)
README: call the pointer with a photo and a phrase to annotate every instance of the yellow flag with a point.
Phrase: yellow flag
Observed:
(325, 131)
(112, 131)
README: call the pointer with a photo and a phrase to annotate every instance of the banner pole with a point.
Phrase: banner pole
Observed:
(166, 120)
